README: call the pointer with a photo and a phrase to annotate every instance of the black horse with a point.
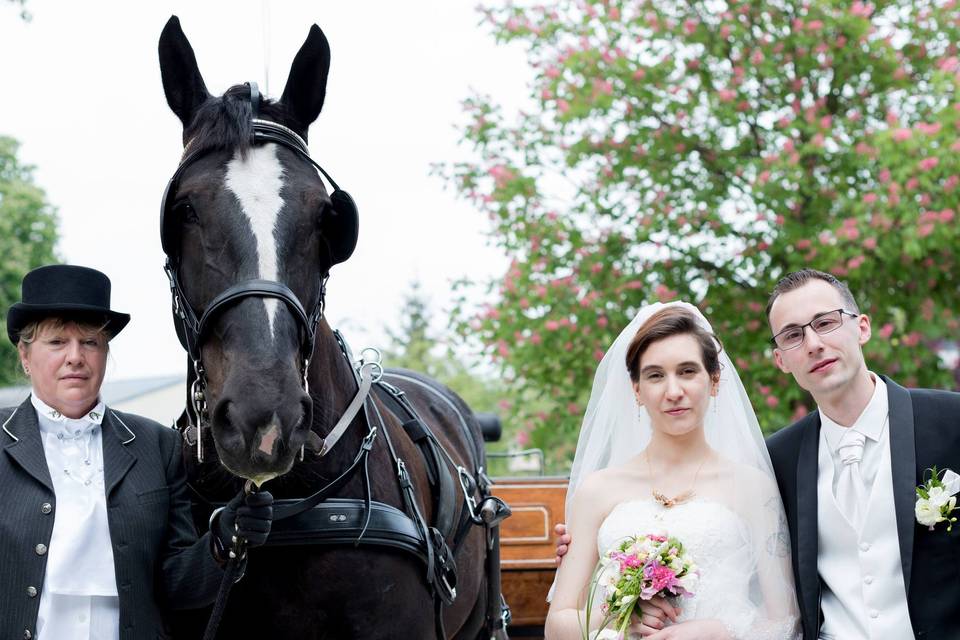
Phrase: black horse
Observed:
(387, 548)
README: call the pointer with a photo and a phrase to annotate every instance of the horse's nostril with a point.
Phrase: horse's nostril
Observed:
(306, 413)
(221, 417)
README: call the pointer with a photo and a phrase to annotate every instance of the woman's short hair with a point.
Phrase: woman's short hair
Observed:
(92, 326)
(673, 321)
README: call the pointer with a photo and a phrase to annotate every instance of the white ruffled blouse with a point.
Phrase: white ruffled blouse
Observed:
(79, 595)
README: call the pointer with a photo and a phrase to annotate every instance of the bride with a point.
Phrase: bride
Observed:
(670, 445)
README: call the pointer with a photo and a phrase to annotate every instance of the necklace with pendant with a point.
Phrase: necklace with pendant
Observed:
(680, 498)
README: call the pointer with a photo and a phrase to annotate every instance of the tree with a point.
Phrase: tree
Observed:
(28, 234)
(700, 151)
(414, 346)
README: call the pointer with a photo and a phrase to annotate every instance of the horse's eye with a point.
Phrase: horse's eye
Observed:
(186, 213)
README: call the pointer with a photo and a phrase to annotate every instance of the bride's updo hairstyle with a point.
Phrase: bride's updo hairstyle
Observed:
(673, 321)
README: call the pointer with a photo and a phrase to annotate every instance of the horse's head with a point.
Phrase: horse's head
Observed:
(251, 233)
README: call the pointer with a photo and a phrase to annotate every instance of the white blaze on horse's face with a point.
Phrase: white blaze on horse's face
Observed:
(256, 182)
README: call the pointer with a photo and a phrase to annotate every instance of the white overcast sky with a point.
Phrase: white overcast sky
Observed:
(82, 93)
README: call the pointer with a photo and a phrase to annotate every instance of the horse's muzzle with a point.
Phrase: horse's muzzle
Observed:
(260, 443)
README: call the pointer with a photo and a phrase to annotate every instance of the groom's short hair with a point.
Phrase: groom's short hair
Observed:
(797, 279)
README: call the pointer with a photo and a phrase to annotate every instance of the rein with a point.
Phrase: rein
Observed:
(364, 371)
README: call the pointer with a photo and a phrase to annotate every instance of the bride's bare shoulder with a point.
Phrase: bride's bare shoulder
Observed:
(603, 488)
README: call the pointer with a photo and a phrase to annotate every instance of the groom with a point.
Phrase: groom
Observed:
(864, 569)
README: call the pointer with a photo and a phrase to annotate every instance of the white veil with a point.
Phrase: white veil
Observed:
(615, 430)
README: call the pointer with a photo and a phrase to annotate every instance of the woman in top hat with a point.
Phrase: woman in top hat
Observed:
(96, 535)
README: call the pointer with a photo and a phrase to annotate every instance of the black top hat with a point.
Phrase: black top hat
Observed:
(66, 291)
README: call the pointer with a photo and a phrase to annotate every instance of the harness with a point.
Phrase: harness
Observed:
(324, 520)
(321, 518)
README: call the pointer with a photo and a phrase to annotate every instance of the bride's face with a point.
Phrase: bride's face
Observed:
(673, 385)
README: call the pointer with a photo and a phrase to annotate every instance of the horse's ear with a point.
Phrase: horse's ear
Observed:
(182, 82)
(307, 83)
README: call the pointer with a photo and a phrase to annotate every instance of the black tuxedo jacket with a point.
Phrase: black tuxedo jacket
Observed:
(924, 431)
(158, 559)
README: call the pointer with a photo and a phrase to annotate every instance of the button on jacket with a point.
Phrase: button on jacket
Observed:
(158, 560)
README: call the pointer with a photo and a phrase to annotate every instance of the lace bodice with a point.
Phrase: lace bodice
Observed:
(721, 544)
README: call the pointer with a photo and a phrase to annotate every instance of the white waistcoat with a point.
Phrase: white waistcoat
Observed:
(863, 596)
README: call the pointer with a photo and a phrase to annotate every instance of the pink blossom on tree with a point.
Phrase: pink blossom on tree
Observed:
(700, 151)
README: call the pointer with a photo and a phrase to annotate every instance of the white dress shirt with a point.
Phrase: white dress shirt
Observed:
(863, 595)
(872, 423)
(78, 600)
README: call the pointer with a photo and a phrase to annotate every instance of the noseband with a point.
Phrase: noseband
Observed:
(193, 331)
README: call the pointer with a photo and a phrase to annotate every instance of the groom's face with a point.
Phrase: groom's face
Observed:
(825, 365)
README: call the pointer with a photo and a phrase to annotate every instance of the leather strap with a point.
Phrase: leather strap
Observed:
(352, 409)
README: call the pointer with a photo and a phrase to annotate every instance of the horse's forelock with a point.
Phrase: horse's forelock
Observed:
(224, 123)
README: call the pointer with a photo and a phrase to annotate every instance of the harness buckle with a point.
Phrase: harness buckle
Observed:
(506, 616)
(445, 568)
(450, 591)
(467, 484)
(306, 371)
(199, 401)
(368, 439)
(402, 475)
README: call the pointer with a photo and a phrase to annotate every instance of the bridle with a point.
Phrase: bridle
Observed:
(191, 330)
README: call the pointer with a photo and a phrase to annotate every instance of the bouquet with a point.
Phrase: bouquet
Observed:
(636, 569)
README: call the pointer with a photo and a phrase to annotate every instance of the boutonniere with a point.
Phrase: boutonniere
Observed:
(936, 498)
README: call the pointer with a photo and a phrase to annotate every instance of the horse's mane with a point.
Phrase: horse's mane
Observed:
(223, 124)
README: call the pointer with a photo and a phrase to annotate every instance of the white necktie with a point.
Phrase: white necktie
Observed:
(851, 492)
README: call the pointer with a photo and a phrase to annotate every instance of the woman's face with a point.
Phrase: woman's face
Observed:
(66, 366)
(674, 385)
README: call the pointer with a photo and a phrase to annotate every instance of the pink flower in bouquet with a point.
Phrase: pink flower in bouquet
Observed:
(661, 578)
(636, 569)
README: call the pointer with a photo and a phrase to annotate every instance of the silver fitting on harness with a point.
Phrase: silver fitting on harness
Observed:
(493, 511)
(467, 484)
(199, 401)
(374, 361)
(368, 439)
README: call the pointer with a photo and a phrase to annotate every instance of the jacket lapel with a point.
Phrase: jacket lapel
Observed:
(903, 456)
(117, 457)
(21, 433)
(807, 544)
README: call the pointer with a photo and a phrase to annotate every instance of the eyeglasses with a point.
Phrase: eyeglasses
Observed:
(792, 337)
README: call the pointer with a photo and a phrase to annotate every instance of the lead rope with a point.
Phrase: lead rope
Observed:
(238, 554)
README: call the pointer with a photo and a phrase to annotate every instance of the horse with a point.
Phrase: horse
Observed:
(379, 470)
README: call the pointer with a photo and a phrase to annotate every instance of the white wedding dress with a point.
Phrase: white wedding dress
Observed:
(736, 585)
(734, 528)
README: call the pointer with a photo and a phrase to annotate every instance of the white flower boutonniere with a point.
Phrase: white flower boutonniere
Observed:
(936, 498)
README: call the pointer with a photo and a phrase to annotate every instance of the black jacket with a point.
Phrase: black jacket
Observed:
(158, 559)
(924, 431)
